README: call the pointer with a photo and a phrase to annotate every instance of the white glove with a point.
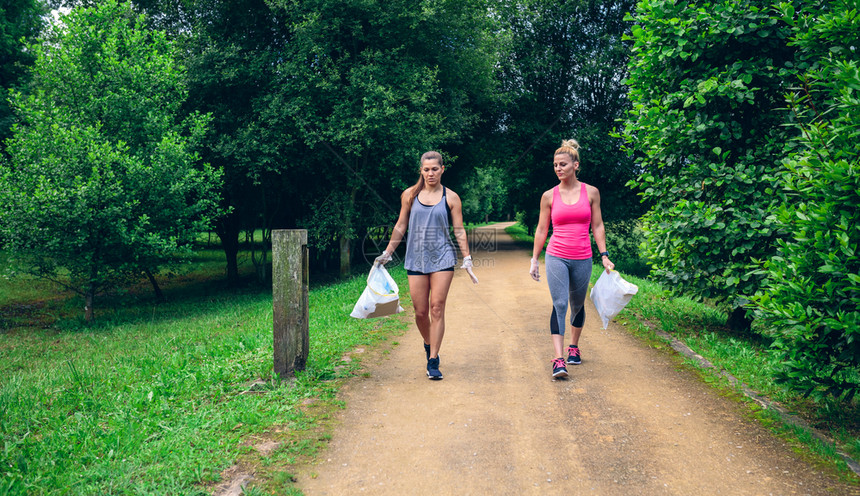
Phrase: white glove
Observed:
(535, 270)
(467, 264)
(383, 259)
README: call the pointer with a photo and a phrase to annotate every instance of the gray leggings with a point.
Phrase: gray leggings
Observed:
(568, 282)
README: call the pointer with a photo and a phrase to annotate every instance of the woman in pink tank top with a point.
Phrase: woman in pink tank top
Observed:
(573, 209)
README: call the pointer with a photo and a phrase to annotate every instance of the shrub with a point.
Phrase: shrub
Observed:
(811, 301)
(624, 240)
(707, 81)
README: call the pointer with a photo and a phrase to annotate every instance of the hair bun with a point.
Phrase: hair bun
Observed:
(571, 143)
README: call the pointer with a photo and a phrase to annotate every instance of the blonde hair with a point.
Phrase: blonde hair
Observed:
(431, 155)
(570, 147)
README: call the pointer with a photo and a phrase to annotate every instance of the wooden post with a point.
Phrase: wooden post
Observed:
(290, 300)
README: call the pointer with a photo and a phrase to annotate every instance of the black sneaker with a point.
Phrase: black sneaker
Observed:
(573, 356)
(558, 368)
(427, 351)
(433, 369)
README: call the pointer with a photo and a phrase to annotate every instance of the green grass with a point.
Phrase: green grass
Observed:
(159, 399)
(702, 328)
(16, 287)
(520, 234)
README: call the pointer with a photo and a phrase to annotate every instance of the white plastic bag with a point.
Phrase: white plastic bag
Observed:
(380, 296)
(611, 294)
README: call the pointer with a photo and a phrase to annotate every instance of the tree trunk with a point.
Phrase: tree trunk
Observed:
(345, 242)
(261, 263)
(227, 229)
(261, 260)
(231, 251)
(345, 256)
(159, 296)
(88, 298)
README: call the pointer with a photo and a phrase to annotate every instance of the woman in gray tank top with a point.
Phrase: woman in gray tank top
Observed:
(428, 210)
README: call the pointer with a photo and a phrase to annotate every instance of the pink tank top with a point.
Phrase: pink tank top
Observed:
(570, 227)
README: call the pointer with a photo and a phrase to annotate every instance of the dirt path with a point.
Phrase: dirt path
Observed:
(627, 422)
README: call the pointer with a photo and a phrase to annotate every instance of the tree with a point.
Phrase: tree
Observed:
(485, 194)
(810, 302)
(103, 183)
(707, 82)
(232, 49)
(321, 109)
(370, 86)
(562, 77)
(19, 20)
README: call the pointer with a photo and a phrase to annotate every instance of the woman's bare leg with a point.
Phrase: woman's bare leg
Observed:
(419, 290)
(440, 283)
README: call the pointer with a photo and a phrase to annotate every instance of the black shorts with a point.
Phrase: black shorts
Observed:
(416, 273)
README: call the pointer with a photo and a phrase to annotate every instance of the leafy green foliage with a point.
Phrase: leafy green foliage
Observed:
(624, 239)
(321, 109)
(20, 23)
(485, 194)
(707, 80)
(561, 77)
(811, 302)
(370, 86)
(734, 177)
(103, 182)
(232, 49)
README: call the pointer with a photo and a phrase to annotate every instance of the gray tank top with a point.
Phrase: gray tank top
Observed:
(428, 243)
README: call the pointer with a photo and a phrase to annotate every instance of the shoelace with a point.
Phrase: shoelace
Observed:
(557, 362)
(573, 351)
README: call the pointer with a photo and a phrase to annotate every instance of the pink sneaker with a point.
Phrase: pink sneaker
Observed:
(558, 368)
(573, 356)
